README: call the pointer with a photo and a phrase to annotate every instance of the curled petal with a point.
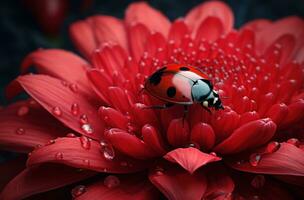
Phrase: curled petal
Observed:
(210, 29)
(287, 160)
(277, 113)
(21, 131)
(83, 37)
(247, 136)
(178, 184)
(82, 153)
(58, 100)
(153, 19)
(190, 158)
(153, 138)
(210, 9)
(136, 148)
(42, 178)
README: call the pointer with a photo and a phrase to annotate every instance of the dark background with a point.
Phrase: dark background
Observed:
(21, 34)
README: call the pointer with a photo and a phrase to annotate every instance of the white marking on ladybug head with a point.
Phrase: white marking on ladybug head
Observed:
(205, 103)
(215, 100)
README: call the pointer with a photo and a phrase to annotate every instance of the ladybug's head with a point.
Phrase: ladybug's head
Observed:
(213, 100)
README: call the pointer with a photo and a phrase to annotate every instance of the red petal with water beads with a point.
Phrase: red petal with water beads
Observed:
(58, 99)
(129, 187)
(100, 83)
(178, 133)
(249, 135)
(42, 178)
(137, 40)
(119, 99)
(136, 148)
(178, 184)
(141, 12)
(10, 169)
(248, 117)
(113, 118)
(85, 154)
(295, 112)
(210, 9)
(190, 158)
(177, 32)
(286, 160)
(277, 113)
(24, 127)
(152, 137)
(210, 29)
(83, 37)
(203, 135)
(108, 29)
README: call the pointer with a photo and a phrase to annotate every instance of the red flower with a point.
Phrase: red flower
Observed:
(87, 117)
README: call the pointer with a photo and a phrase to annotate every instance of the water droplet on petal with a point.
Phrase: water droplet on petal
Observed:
(194, 145)
(87, 128)
(50, 142)
(23, 110)
(86, 162)
(20, 131)
(85, 142)
(78, 190)
(73, 87)
(213, 153)
(272, 147)
(111, 181)
(294, 141)
(107, 150)
(75, 109)
(57, 111)
(159, 171)
(258, 181)
(59, 156)
(255, 159)
(71, 135)
(84, 119)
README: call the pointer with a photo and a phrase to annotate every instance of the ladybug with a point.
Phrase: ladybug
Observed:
(184, 85)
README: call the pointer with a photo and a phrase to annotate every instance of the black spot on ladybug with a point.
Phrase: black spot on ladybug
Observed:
(184, 69)
(156, 77)
(171, 91)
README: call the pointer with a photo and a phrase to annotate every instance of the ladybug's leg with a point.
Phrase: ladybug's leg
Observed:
(165, 106)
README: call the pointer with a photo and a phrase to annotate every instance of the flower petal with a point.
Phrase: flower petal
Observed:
(130, 187)
(109, 29)
(256, 25)
(153, 138)
(247, 136)
(61, 64)
(210, 9)
(83, 153)
(178, 132)
(210, 29)
(24, 126)
(178, 184)
(190, 158)
(287, 160)
(203, 135)
(51, 94)
(141, 12)
(42, 178)
(83, 37)
(136, 148)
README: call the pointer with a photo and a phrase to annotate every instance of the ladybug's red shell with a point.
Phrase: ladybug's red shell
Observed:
(173, 83)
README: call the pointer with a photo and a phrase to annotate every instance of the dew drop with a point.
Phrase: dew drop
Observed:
(255, 159)
(258, 181)
(75, 109)
(86, 162)
(87, 128)
(50, 142)
(194, 145)
(84, 119)
(85, 142)
(159, 171)
(71, 135)
(213, 153)
(78, 190)
(23, 110)
(73, 87)
(294, 141)
(111, 181)
(272, 147)
(20, 131)
(107, 150)
(57, 111)
(59, 156)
